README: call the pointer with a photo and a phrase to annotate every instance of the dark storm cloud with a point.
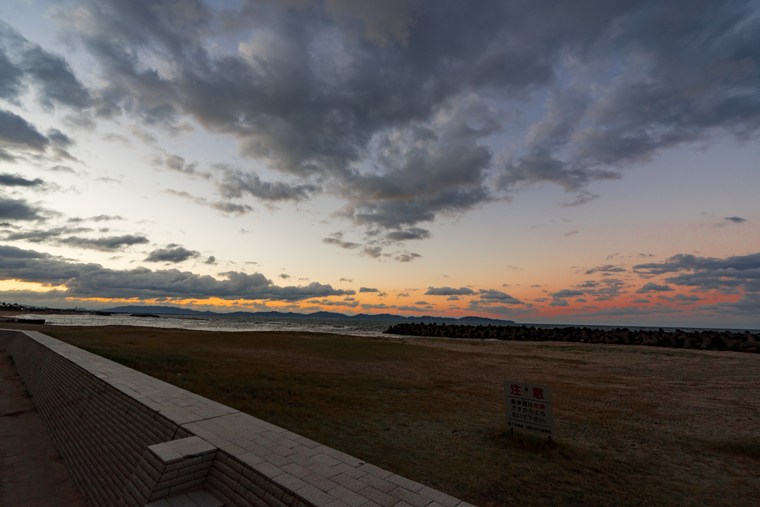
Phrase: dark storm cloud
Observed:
(230, 208)
(430, 168)
(69, 236)
(543, 168)
(33, 236)
(480, 305)
(449, 291)
(747, 305)
(18, 209)
(407, 256)
(606, 269)
(62, 169)
(172, 253)
(496, 296)
(310, 94)
(26, 63)
(337, 240)
(319, 305)
(55, 79)
(19, 137)
(105, 244)
(59, 138)
(15, 180)
(93, 280)
(384, 22)
(178, 164)
(688, 262)
(735, 220)
(10, 78)
(44, 235)
(684, 299)
(97, 218)
(106, 218)
(226, 207)
(581, 198)
(236, 184)
(408, 234)
(689, 73)
(372, 251)
(391, 105)
(16, 132)
(604, 289)
(653, 287)
(728, 275)
(567, 293)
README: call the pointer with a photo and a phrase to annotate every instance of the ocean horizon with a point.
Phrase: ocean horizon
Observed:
(370, 328)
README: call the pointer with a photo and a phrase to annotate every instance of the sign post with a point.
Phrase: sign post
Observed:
(529, 407)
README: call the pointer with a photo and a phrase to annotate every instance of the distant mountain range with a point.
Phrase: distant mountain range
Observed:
(384, 317)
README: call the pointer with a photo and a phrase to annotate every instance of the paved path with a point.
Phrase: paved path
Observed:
(32, 473)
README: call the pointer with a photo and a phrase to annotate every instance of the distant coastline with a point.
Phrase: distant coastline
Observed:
(174, 311)
(374, 321)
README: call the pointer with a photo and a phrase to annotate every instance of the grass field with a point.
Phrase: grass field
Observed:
(633, 425)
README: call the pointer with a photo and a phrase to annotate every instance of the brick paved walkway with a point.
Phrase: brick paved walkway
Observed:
(32, 473)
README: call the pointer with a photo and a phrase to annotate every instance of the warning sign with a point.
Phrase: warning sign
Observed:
(529, 407)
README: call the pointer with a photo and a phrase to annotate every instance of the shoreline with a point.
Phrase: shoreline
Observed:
(423, 320)
(676, 338)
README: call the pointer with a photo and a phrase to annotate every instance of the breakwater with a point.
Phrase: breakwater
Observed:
(131, 440)
(703, 340)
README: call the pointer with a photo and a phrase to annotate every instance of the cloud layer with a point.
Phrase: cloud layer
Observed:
(94, 281)
(400, 109)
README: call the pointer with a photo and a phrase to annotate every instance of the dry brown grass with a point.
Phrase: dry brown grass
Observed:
(634, 425)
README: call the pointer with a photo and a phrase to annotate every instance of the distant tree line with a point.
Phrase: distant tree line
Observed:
(14, 307)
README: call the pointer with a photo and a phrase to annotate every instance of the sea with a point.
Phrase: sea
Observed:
(314, 325)
(230, 324)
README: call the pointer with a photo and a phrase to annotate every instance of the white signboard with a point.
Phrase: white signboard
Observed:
(529, 407)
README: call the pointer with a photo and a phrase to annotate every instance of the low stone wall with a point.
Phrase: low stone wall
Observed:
(130, 439)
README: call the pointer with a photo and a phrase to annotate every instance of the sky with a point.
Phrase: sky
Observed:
(586, 162)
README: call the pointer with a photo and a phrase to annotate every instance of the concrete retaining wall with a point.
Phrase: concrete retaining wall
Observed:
(130, 439)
